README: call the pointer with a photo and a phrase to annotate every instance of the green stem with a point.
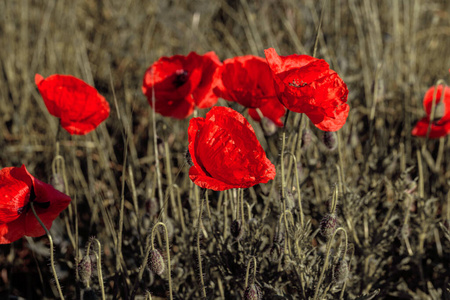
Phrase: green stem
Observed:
(52, 260)
(299, 196)
(248, 271)
(99, 267)
(327, 257)
(199, 255)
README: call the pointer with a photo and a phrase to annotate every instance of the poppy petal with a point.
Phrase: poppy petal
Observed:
(225, 152)
(79, 106)
(22, 188)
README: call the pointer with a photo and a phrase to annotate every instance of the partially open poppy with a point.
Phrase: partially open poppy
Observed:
(248, 81)
(79, 106)
(17, 189)
(225, 152)
(180, 83)
(305, 84)
(440, 125)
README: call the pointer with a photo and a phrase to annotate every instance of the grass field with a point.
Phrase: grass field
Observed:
(392, 188)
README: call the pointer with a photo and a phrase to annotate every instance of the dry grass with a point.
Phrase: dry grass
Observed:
(388, 53)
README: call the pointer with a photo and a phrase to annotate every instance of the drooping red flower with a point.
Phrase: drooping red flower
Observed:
(305, 84)
(440, 125)
(248, 81)
(17, 189)
(79, 106)
(225, 152)
(180, 83)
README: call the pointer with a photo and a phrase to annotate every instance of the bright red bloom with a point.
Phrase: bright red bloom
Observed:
(305, 84)
(17, 189)
(225, 152)
(440, 126)
(180, 83)
(79, 106)
(248, 81)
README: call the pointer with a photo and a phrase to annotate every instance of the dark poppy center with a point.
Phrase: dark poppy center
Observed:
(26, 207)
(181, 76)
(298, 84)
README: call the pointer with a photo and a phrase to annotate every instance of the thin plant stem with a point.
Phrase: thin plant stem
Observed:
(299, 196)
(155, 148)
(52, 259)
(152, 246)
(341, 161)
(316, 42)
(169, 178)
(349, 265)
(327, 257)
(98, 256)
(283, 193)
(207, 204)
(121, 211)
(225, 215)
(253, 259)
(300, 257)
(199, 255)
(148, 295)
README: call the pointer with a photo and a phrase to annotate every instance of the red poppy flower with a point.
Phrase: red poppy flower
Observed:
(440, 126)
(225, 152)
(180, 83)
(17, 189)
(305, 84)
(248, 81)
(79, 106)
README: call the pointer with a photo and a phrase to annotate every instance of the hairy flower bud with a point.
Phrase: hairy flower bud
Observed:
(340, 271)
(57, 182)
(252, 292)
(328, 225)
(85, 269)
(237, 230)
(329, 139)
(156, 262)
(306, 138)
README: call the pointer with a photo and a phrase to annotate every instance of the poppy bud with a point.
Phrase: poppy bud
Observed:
(329, 140)
(328, 225)
(275, 253)
(57, 182)
(156, 262)
(306, 138)
(340, 271)
(85, 269)
(268, 126)
(237, 230)
(252, 292)
(189, 158)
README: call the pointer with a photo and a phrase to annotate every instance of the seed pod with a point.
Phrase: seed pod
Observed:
(329, 139)
(85, 269)
(340, 271)
(328, 225)
(252, 292)
(156, 262)
(306, 138)
(237, 230)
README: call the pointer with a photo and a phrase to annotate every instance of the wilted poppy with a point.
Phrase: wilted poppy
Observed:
(180, 83)
(225, 152)
(305, 84)
(248, 81)
(79, 106)
(440, 125)
(17, 189)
